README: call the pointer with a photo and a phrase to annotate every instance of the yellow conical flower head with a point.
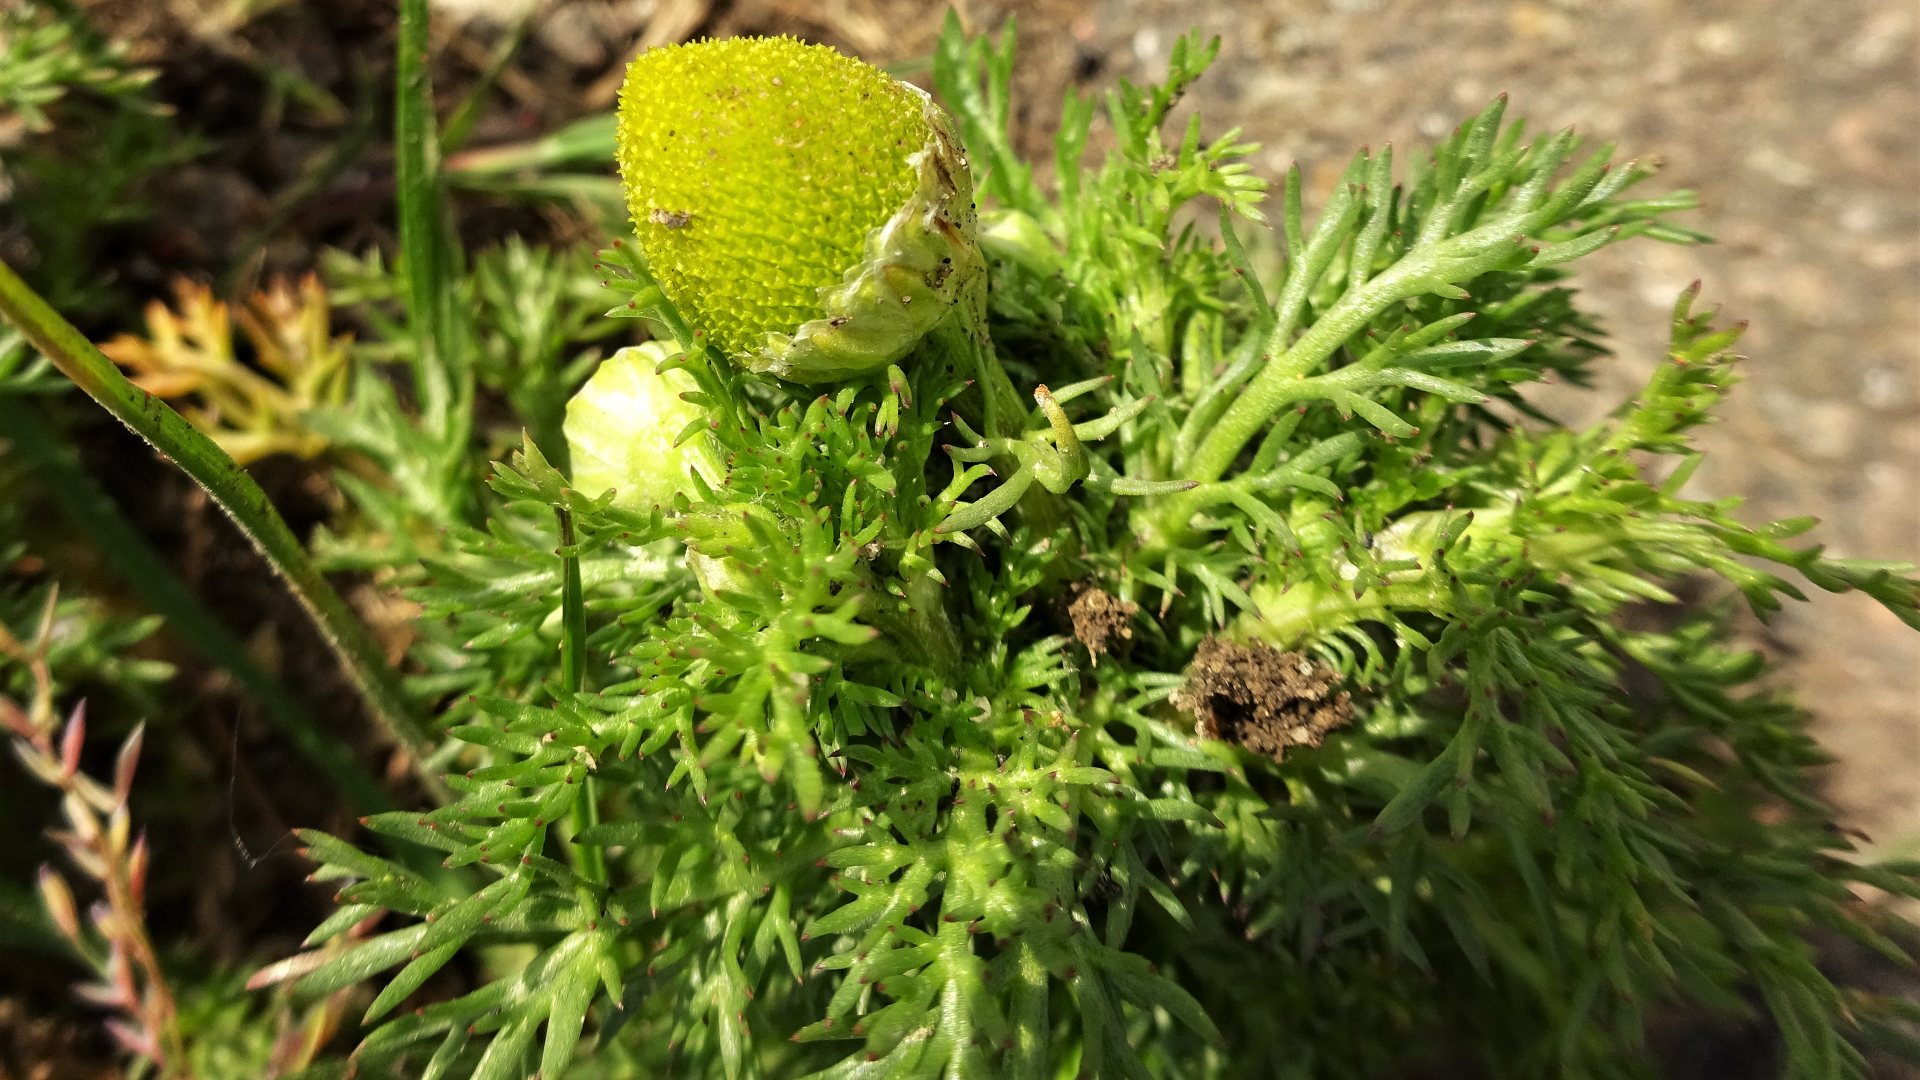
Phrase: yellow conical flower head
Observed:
(795, 204)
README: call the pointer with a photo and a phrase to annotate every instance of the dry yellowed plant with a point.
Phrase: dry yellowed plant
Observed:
(188, 353)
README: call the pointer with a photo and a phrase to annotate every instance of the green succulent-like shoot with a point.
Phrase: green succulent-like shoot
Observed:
(809, 213)
(623, 425)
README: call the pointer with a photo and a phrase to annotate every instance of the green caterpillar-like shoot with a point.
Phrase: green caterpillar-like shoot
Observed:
(810, 213)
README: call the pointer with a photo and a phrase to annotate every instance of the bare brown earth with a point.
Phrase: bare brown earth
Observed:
(1261, 698)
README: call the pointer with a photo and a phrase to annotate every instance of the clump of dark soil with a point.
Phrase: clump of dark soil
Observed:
(36, 1047)
(1261, 698)
(1097, 616)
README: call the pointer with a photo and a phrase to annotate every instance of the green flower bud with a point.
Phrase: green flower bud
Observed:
(812, 214)
(621, 426)
(1016, 237)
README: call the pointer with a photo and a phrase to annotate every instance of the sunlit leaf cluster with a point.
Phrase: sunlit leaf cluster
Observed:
(800, 759)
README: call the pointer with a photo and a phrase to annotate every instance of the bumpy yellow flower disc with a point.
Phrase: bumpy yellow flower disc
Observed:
(754, 169)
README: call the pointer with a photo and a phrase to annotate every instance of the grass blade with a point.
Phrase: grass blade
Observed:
(416, 144)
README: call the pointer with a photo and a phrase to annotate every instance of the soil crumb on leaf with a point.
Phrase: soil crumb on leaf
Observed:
(1261, 698)
(1097, 615)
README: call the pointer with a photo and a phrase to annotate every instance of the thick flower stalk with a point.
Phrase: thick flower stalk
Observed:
(810, 214)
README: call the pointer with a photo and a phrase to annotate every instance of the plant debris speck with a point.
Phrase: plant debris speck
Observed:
(1261, 698)
(1098, 615)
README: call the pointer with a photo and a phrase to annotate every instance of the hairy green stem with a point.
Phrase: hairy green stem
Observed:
(93, 512)
(591, 861)
(1311, 609)
(236, 493)
(573, 612)
(417, 179)
(965, 348)
(417, 146)
(1284, 380)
